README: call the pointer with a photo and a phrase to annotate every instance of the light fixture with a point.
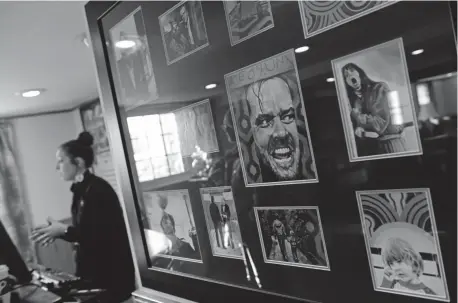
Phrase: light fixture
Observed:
(330, 80)
(86, 41)
(210, 86)
(449, 74)
(301, 49)
(418, 51)
(125, 44)
(31, 93)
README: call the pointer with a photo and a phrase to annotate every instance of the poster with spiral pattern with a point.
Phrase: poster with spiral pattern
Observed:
(402, 243)
(320, 16)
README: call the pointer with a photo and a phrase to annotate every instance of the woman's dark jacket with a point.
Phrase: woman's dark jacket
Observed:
(103, 253)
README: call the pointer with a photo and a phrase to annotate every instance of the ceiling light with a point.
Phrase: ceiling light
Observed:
(30, 93)
(449, 74)
(86, 41)
(210, 86)
(330, 80)
(301, 49)
(125, 44)
(417, 52)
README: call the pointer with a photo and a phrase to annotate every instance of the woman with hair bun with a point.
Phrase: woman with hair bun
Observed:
(98, 231)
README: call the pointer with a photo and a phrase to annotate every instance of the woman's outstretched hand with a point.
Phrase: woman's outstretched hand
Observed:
(46, 234)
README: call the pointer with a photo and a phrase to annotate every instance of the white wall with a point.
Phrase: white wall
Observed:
(37, 139)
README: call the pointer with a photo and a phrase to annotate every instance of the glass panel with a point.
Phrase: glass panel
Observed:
(152, 126)
(289, 132)
(144, 170)
(136, 127)
(141, 149)
(168, 123)
(156, 146)
(176, 164)
(160, 167)
(172, 144)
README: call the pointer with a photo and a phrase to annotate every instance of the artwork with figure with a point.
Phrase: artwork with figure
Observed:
(170, 231)
(222, 223)
(195, 127)
(320, 16)
(292, 236)
(246, 19)
(402, 243)
(94, 123)
(183, 30)
(136, 83)
(376, 104)
(271, 124)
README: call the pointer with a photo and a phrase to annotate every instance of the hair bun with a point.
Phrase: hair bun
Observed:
(86, 139)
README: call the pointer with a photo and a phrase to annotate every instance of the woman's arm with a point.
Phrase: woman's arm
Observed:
(71, 234)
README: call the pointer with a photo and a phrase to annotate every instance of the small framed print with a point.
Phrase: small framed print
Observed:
(170, 230)
(272, 132)
(376, 104)
(183, 30)
(402, 244)
(222, 223)
(292, 236)
(246, 19)
(320, 16)
(135, 73)
(195, 127)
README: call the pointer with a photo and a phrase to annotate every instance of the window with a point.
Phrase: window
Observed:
(423, 94)
(156, 146)
(396, 108)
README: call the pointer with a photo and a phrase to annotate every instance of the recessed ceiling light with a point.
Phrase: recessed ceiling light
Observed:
(301, 49)
(125, 44)
(86, 41)
(31, 93)
(210, 86)
(330, 80)
(418, 51)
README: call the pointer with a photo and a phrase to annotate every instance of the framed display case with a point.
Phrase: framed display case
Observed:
(283, 151)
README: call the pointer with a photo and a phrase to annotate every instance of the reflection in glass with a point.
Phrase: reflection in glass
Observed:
(395, 108)
(169, 124)
(136, 129)
(156, 147)
(160, 167)
(155, 138)
(176, 164)
(172, 144)
(152, 126)
(157, 242)
(144, 170)
(140, 147)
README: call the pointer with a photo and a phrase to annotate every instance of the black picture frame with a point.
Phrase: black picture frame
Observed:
(160, 286)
